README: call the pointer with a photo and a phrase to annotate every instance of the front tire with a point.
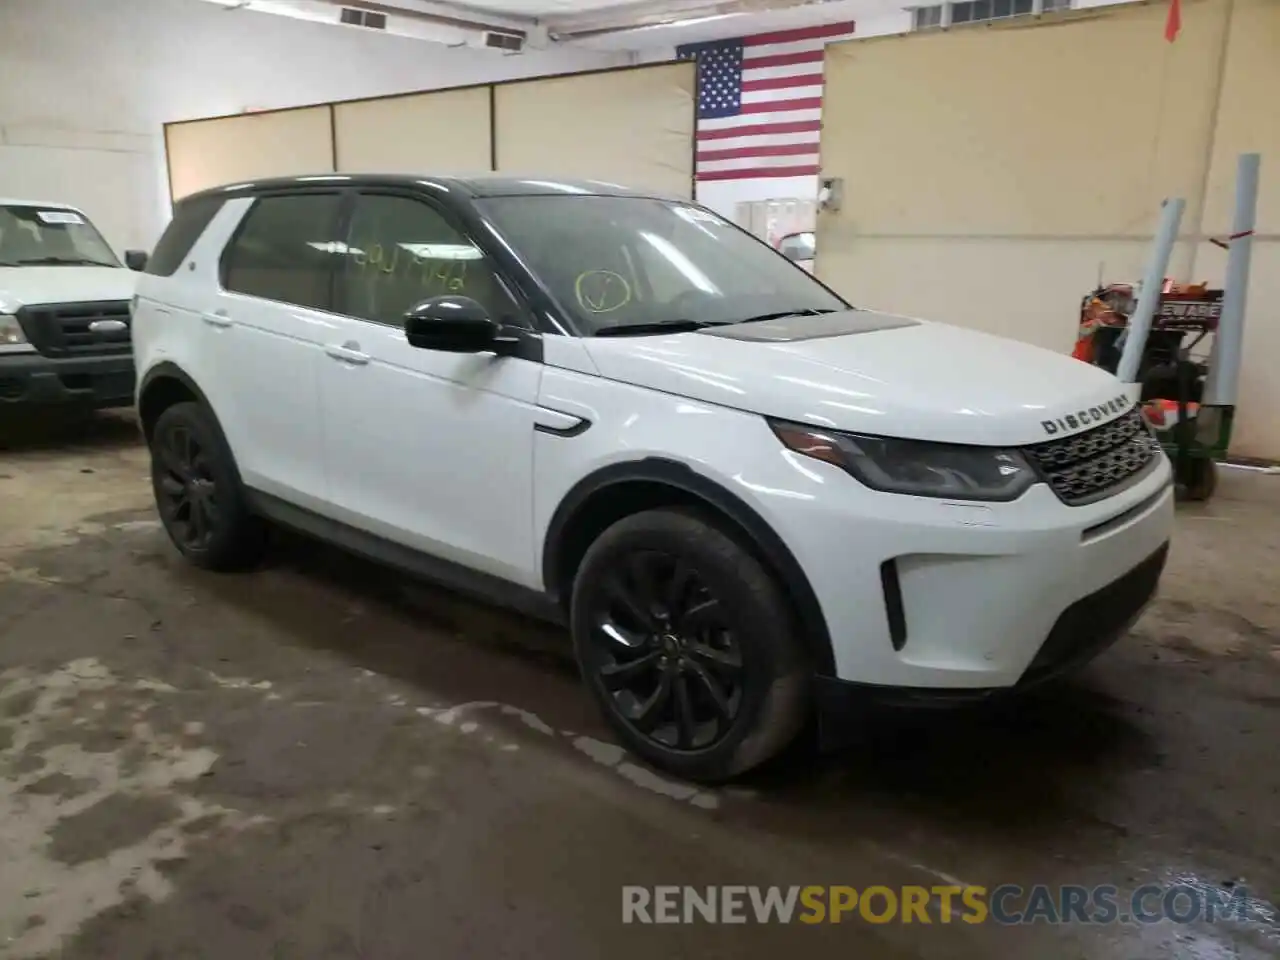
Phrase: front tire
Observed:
(198, 492)
(689, 646)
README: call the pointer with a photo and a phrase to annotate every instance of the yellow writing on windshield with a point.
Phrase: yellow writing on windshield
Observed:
(602, 291)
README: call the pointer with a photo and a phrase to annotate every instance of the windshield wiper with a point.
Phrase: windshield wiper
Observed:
(779, 314)
(60, 261)
(657, 326)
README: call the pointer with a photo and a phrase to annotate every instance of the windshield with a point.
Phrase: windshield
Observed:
(620, 262)
(47, 236)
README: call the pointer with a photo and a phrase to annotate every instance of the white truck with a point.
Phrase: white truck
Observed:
(64, 310)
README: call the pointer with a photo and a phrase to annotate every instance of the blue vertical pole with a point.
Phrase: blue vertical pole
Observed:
(1222, 384)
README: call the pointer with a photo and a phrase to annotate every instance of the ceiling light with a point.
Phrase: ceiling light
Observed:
(690, 21)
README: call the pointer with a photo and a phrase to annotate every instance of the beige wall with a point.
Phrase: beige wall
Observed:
(209, 153)
(1249, 122)
(631, 125)
(993, 173)
(634, 127)
(446, 132)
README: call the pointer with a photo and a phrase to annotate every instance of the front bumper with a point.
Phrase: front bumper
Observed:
(937, 600)
(29, 379)
(1085, 629)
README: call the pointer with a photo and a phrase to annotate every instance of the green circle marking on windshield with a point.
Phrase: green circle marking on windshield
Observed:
(602, 291)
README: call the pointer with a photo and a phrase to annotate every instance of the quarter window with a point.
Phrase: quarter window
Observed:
(284, 249)
(400, 251)
(190, 217)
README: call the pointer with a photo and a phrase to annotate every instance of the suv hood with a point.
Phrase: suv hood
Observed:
(20, 286)
(875, 373)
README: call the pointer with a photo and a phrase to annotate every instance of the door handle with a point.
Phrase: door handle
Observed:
(349, 352)
(217, 319)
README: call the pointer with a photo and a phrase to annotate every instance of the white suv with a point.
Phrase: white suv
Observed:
(751, 502)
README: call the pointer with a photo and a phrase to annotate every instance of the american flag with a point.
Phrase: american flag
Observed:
(760, 102)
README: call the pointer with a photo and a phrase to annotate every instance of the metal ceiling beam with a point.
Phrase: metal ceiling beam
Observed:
(644, 14)
(460, 23)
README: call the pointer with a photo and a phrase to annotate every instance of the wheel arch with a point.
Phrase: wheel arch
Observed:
(619, 490)
(162, 386)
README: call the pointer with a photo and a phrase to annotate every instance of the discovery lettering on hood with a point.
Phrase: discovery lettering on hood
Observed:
(1087, 417)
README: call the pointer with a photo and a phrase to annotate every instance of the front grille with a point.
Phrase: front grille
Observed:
(77, 329)
(1091, 465)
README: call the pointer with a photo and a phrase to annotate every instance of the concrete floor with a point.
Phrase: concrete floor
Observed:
(321, 760)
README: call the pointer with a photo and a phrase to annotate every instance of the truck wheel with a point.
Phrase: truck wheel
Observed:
(198, 493)
(688, 645)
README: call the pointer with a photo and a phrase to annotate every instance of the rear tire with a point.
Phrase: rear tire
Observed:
(689, 646)
(198, 492)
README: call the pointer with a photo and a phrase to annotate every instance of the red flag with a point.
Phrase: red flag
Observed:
(1174, 22)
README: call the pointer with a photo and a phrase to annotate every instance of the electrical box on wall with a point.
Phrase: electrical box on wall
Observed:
(830, 194)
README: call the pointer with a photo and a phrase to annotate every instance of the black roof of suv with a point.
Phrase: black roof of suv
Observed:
(473, 187)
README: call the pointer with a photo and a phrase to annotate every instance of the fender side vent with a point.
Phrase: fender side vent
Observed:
(893, 604)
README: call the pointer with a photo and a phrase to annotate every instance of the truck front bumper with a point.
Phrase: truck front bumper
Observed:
(30, 379)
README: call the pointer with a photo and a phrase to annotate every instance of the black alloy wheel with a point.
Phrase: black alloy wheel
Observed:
(198, 492)
(667, 653)
(186, 488)
(689, 645)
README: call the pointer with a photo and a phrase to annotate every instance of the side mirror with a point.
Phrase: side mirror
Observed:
(452, 324)
(135, 259)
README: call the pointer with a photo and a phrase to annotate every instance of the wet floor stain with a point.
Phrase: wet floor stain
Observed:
(113, 823)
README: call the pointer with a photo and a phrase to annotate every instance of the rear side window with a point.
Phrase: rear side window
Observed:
(283, 250)
(190, 217)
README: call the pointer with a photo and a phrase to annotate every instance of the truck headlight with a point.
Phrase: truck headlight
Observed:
(916, 467)
(12, 338)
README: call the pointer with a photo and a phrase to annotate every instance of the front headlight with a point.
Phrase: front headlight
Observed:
(915, 467)
(12, 339)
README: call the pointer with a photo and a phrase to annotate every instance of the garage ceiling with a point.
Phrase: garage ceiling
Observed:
(612, 24)
(549, 8)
